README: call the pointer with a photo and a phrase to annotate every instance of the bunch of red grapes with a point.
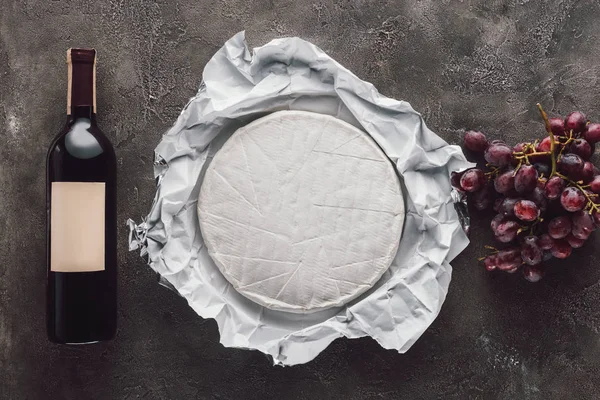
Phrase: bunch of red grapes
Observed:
(545, 193)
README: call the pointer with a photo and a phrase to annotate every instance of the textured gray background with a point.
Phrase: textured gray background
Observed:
(463, 64)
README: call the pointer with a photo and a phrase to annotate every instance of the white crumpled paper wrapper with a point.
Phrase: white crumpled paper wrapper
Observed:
(290, 73)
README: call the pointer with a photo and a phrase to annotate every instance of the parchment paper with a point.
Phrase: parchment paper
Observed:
(240, 86)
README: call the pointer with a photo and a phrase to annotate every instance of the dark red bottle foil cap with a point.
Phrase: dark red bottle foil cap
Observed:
(82, 78)
(85, 56)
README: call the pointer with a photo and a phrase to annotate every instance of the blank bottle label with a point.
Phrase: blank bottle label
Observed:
(77, 226)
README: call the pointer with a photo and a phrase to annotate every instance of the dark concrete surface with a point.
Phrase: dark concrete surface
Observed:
(463, 64)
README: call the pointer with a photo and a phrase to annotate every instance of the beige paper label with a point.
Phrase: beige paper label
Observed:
(77, 226)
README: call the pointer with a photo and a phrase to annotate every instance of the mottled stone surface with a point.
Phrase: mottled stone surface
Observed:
(463, 64)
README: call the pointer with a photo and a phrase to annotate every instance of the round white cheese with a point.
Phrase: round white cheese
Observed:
(301, 211)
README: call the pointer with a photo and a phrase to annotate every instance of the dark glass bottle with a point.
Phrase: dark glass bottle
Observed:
(81, 201)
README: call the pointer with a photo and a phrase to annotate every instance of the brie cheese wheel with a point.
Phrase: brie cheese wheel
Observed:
(301, 211)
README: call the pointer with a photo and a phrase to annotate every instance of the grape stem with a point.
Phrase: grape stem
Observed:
(529, 150)
(552, 141)
(495, 171)
(531, 227)
(564, 145)
(519, 155)
(493, 251)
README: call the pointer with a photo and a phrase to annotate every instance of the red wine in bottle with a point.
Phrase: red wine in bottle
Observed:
(81, 189)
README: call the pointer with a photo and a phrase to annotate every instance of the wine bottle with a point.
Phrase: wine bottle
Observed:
(81, 201)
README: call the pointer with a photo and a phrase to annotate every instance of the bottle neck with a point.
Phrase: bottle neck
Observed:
(81, 92)
(86, 112)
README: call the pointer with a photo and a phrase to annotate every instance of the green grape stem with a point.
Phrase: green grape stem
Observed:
(495, 171)
(565, 144)
(519, 155)
(493, 251)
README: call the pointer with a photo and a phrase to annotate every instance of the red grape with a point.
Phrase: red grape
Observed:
(533, 273)
(507, 207)
(530, 252)
(587, 174)
(581, 232)
(542, 169)
(545, 242)
(498, 154)
(582, 148)
(537, 196)
(526, 179)
(561, 249)
(596, 216)
(592, 133)
(595, 184)
(559, 227)
(570, 164)
(505, 181)
(526, 210)
(519, 147)
(575, 122)
(491, 262)
(544, 145)
(583, 221)
(554, 187)
(572, 199)
(496, 221)
(507, 231)
(509, 259)
(574, 242)
(557, 126)
(472, 180)
(483, 198)
(475, 141)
